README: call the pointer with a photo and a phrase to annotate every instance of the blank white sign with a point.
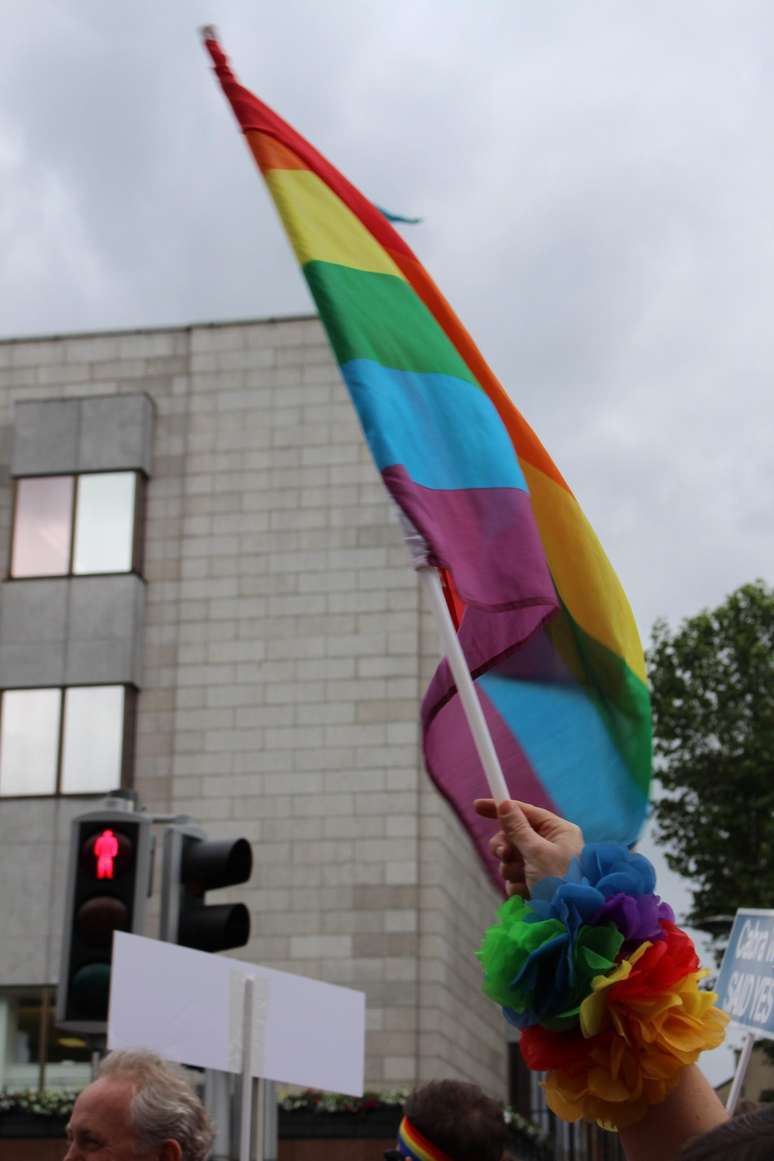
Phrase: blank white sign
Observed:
(187, 1006)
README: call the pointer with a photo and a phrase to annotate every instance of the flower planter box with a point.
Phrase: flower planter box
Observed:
(305, 1124)
(25, 1126)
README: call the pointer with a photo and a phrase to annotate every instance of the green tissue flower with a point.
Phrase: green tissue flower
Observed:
(541, 970)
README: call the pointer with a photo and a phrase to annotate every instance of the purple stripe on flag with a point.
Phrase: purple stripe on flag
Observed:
(486, 537)
(454, 766)
(487, 639)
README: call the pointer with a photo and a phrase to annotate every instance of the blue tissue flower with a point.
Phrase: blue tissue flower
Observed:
(572, 903)
(613, 869)
(607, 883)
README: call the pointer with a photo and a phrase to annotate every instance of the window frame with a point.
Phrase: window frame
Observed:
(137, 540)
(128, 731)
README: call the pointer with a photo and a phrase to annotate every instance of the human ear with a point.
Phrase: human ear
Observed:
(170, 1151)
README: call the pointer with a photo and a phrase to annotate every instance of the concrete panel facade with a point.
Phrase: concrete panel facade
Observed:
(284, 651)
(71, 631)
(116, 433)
(45, 438)
(112, 433)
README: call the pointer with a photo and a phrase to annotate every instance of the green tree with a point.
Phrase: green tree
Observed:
(712, 683)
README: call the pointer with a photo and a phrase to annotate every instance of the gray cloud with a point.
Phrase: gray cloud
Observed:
(596, 186)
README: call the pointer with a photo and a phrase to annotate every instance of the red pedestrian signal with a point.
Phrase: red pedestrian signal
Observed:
(105, 847)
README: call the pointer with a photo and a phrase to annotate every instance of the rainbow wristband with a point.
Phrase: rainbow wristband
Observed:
(413, 1145)
(603, 985)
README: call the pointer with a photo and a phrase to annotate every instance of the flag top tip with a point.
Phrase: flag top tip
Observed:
(208, 32)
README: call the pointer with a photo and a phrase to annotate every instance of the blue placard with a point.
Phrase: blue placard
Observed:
(745, 984)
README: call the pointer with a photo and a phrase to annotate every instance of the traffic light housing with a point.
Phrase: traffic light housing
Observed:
(108, 880)
(194, 865)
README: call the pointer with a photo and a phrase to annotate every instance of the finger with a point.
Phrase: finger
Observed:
(520, 888)
(499, 846)
(503, 851)
(517, 827)
(538, 814)
(513, 871)
(497, 843)
(488, 808)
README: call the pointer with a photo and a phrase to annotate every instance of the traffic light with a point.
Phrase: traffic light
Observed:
(193, 865)
(108, 880)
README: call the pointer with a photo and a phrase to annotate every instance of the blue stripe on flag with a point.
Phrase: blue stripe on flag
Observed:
(445, 432)
(561, 730)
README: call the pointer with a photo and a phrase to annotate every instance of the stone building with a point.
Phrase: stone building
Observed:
(207, 598)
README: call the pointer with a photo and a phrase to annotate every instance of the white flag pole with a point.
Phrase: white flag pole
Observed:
(246, 1111)
(450, 646)
(741, 1071)
(452, 651)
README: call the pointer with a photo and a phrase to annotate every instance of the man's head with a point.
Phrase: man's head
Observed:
(140, 1108)
(458, 1120)
(749, 1137)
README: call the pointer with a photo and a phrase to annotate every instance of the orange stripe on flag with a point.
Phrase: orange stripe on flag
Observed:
(270, 153)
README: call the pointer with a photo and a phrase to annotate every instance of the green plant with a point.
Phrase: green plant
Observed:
(48, 1103)
(313, 1101)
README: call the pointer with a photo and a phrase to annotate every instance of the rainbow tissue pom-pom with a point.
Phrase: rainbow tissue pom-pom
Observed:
(604, 987)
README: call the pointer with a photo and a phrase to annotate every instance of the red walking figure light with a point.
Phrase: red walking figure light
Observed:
(106, 849)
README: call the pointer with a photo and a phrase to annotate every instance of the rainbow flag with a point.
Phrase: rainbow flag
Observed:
(542, 618)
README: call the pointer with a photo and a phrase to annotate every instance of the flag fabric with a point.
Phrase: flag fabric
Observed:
(543, 621)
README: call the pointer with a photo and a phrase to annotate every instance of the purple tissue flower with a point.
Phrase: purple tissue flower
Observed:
(637, 917)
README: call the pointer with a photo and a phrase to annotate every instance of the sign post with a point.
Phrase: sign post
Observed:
(745, 985)
(246, 1112)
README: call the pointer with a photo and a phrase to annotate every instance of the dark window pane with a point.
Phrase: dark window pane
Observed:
(41, 540)
(63, 1045)
(24, 1043)
(93, 739)
(104, 523)
(29, 741)
(33, 1051)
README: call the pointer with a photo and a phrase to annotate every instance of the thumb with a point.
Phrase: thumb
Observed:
(516, 826)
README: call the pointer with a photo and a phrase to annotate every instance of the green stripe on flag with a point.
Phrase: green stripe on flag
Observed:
(379, 317)
(624, 699)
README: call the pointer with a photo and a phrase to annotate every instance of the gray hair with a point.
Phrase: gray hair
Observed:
(749, 1137)
(164, 1107)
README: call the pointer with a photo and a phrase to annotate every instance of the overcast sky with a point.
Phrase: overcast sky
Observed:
(595, 180)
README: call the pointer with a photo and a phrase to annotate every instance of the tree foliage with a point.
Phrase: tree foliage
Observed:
(712, 685)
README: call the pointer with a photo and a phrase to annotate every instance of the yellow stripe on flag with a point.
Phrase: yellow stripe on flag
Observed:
(582, 573)
(321, 227)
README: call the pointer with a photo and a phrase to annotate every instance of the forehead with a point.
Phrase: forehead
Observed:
(104, 1105)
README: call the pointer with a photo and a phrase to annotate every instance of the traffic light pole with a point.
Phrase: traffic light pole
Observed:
(172, 855)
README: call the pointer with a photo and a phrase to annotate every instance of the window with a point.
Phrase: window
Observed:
(75, 525)
(65, 741)
(35, 1053)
